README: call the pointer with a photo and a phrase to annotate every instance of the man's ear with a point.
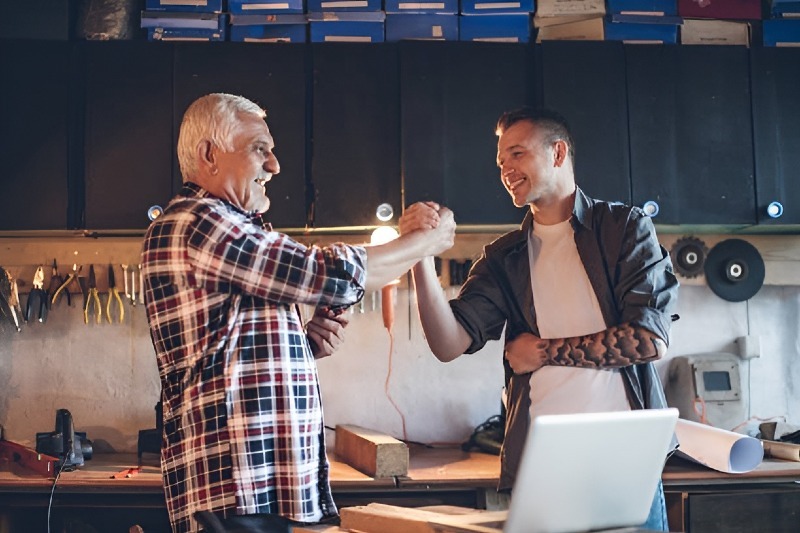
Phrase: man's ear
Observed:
(207, 156)
(560, 150)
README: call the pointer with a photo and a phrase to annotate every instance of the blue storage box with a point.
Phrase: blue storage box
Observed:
(515, 28)
(343, 6)
(361, 27)
(486, 7)
(434, 6)
(184, 34)
(656, 7)
(779, 8)
(421, 26)
(629, 31)
(781, 32)
(201, 6)
(265, 6)
(270, 33)
(197, 21)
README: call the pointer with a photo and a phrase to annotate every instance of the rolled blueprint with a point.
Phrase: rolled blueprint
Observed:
(721, 450)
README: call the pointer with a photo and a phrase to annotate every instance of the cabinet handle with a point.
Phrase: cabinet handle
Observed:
(154, 212)
(651, 208)
(385, 212)
(775, 210)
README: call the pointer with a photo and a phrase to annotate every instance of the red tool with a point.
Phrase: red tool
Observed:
(126, 472)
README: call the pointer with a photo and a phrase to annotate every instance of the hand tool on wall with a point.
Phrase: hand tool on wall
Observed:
(125, 279)
(133, 286)
(113, 296)
(65, 285)
(6, 298)
(141, 285)
(92, 298)
(37, 299)
(55, 282)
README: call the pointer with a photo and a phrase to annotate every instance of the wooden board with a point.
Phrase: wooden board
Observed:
(373, 453)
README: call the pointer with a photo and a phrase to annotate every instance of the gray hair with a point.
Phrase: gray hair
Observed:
(214, 118)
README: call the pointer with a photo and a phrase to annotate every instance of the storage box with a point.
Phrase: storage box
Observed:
(704, 31)
(343, 6)
(265, 6)
(785, 8)
(272, 33)
(487, 7)
(720, 9)
(360, 27)
(781, 32)
(198, 21)
(641, 33)
(202, 6)
(643, 7)
(185, 34)
(560, 8)
(405, 26)
(569, 28)
(508, 28)
(285, 28)
(437, 6)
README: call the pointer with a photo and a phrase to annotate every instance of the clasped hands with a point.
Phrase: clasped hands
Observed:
(436, 221)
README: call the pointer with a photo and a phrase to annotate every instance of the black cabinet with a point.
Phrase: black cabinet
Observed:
(776, 128)
(585, 82)
(451, 97)
(691, 134)
(128, 143)
(273, 77)
(35, 107)
(356, 136)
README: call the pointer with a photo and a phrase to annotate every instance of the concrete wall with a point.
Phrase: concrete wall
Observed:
(106, 375)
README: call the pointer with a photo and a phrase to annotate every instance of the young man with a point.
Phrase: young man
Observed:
(583, 290)
(243, 429)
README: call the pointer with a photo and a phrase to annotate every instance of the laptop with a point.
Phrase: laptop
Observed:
(582, 472)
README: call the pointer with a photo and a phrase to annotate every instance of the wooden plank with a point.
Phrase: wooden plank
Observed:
(381, 518)
(376, 454)
(41, 463)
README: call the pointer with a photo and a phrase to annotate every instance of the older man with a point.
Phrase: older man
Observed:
(243, 429)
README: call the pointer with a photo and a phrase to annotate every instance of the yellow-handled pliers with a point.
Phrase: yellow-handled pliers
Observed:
(113, 295)
(92, 298)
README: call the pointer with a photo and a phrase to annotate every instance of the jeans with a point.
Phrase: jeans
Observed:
(657, 521)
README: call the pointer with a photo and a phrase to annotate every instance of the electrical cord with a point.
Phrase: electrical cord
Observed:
(53, 490)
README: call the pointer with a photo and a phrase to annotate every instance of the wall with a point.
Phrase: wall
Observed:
(106, 375)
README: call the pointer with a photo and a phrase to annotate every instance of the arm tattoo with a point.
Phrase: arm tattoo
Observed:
(615, 347)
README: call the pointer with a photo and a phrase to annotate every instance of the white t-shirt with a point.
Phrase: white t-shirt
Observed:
(566, 306)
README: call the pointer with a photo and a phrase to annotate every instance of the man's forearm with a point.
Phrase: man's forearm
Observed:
(446, 337)
(615, 347)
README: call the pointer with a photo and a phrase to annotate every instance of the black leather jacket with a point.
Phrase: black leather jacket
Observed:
(630, 272)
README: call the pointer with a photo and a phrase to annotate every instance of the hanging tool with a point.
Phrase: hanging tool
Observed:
(125, 279)
(65, 285)
(133, 286)
(55, 282)
(37, 299)
(7, 307)
(92, 298)
(113, 295)
(141, 285)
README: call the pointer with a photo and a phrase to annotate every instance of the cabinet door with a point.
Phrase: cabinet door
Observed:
(690, 133)
(452, 95)
(356, 138)
(585, 82)
(35, 111)
(776, 123)
(274, 78)
(128, 141)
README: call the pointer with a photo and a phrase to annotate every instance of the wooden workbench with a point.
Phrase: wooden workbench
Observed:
(436, 476)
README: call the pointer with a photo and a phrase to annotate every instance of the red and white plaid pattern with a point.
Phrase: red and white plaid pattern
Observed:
(243, 429)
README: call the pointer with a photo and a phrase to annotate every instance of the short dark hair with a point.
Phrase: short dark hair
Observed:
(553, 125)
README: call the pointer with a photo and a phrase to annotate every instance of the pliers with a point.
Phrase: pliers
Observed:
(7, 300)
(92, 298)
(62, 288)
(37, 298)
(113, 294)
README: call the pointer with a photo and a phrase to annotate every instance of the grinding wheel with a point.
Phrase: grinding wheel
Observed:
(734, 270)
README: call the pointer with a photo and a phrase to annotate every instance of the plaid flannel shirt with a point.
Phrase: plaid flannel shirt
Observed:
(243, 428)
